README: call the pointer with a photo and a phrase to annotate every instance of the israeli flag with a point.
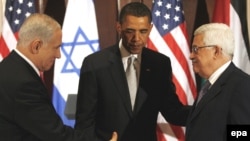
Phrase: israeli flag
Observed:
(80, 38)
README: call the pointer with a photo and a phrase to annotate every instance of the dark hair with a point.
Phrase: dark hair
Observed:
(137, 9)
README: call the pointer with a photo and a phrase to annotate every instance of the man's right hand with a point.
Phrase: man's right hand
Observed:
(114, 137)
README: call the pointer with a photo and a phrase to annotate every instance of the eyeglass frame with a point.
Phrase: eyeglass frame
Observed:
(195, 49)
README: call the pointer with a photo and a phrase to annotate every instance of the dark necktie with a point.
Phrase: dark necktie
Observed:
(132, 79)
(203, 91)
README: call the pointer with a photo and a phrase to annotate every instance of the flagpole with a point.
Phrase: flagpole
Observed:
(118, 7)
(121, 3)
(41, 5)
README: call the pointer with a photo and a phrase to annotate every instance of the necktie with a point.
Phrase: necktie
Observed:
(42, 76)
(132, 79)
(203, 91)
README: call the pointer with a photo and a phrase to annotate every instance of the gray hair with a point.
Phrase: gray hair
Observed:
(39, 26)
(218, 34)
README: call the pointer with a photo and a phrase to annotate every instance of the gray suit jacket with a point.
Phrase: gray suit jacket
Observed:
(227, 102)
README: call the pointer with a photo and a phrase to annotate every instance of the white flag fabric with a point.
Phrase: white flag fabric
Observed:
(80, 38)
(233, 13)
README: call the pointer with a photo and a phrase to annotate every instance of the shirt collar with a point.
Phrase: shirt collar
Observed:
(218, 72)
(28, 61)
(125, 54)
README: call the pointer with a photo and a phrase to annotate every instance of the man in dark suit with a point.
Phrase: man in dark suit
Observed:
(227, 99)
(26, 111)
(104, 103)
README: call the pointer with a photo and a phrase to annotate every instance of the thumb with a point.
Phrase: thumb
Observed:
(114, 136)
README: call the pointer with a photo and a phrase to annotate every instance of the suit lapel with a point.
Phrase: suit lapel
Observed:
(140, 99)
(118, 76)
(212, 92)
(27, 66)
(145, 71)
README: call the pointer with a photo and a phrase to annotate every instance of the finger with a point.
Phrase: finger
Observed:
(114, 137)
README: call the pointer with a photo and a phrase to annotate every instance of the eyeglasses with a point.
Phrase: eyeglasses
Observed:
(196, 48)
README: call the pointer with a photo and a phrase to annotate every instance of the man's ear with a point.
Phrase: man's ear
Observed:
(118, 27)
(218, 50)
(151, 26)
(35, 46)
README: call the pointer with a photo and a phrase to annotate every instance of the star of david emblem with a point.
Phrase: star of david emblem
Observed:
(76, 50)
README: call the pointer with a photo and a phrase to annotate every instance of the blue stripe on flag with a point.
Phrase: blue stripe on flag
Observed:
(80, 41)
(59, 104)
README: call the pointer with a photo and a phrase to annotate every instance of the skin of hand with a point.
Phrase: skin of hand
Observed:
(114, 137)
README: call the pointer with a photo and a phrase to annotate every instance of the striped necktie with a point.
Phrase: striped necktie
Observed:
(203, 91)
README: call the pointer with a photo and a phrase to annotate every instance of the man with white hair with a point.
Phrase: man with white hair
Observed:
(226, 100)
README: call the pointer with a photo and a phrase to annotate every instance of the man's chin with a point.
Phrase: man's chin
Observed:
(136, 51)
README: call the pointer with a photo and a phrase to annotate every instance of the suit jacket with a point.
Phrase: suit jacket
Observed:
(226, 102)
(26, 112)
(103, 102)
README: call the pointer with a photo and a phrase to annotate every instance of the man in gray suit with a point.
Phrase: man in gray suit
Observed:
(227, 100)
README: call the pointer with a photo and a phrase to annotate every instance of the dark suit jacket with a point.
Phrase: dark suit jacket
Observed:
(26, 112)
(227, 102)
(103, 102)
